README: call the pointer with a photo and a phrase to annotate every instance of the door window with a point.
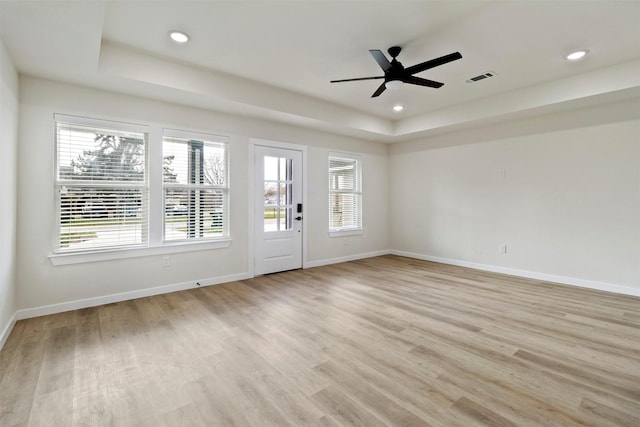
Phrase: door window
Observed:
(278, 195)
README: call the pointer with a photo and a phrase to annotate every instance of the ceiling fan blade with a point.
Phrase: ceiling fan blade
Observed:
(359, 78)
(379, 90)
(432, 63)
(382, 60)
(421, 82)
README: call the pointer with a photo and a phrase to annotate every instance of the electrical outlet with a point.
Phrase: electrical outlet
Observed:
(166, 261)
(503, 249)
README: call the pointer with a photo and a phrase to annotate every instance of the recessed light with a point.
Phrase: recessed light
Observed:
(578, 54)
(179, 36)
(398, 108)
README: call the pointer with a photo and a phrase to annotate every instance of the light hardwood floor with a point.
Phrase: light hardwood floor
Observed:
(382, 341)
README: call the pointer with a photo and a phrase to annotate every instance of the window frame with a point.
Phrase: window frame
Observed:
(348, 230)
(60, 183)
(155, 244)
(212, 140)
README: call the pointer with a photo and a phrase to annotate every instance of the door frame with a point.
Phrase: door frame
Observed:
(253, 142)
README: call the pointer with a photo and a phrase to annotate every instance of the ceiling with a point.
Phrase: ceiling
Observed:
(274, 59)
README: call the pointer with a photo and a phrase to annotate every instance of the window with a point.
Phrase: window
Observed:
(108, 174)
(195, 186)
(345, 193)
(278, 193)
(101, 184)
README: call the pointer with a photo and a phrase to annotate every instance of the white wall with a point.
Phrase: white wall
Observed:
(324, 249)
(8, 187)
(565, 199)
(42, 284)
(567, 207)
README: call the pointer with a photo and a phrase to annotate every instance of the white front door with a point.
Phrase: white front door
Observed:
(278, 209)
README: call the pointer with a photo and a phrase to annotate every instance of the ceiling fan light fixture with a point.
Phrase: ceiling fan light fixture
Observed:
(179, 36)
(394, 84)
(576, 55)
(398, 108)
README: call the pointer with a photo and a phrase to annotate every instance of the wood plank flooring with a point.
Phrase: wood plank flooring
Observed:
(384, 341)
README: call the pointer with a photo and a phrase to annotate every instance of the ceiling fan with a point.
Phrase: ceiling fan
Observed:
(395, 75)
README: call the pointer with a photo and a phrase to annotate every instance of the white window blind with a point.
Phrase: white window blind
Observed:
(101, 184)
(345, 193)
(195, 186)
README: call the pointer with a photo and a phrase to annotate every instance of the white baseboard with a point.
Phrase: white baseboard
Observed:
(601, 286)
(310, 264)
(124, 296)
(7, 330)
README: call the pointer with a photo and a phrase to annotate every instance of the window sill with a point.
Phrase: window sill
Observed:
(107, 255)
(346, 232)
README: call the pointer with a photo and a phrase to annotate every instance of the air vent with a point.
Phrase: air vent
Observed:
(481, 77)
